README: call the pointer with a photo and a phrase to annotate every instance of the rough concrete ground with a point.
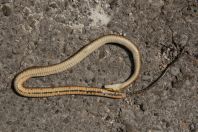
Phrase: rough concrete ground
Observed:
(45, 32)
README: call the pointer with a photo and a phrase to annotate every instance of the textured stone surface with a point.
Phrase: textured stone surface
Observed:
(35, 33)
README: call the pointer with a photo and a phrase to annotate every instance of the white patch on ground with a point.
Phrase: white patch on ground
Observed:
(157, 3)
(76, 27)
(98, 17)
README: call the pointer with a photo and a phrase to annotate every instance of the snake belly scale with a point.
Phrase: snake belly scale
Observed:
(111, 91)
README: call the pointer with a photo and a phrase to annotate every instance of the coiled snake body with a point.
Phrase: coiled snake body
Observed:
(111, 91)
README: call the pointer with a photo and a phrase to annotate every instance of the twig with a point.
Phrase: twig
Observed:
(161, 75)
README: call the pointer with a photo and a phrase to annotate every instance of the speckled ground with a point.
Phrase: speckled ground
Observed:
(45, 32)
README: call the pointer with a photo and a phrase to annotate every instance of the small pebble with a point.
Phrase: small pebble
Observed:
(89, 75)
(175, 71)
(188, 83)
(146, 78)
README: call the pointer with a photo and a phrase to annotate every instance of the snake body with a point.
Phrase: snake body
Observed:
(111, 91)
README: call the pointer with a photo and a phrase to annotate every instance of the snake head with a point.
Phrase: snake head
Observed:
(114, 87)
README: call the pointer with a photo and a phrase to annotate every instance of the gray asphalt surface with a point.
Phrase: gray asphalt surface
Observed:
(45, 32)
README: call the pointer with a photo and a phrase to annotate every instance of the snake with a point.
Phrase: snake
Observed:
(115, 91)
